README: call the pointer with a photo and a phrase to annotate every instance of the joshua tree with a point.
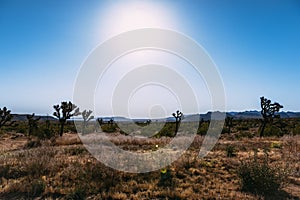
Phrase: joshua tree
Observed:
(228, 123)
(178, 117)
(100, 121)
(268, 111)
(5, 117)
(148, 121)
(86, 115)
(32, 123)
(111, 122)
(64, 112)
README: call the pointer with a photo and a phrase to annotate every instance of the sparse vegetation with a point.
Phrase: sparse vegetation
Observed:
(68, 171)
(34, 167)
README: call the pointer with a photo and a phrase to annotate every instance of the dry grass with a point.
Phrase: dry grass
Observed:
(63, 169)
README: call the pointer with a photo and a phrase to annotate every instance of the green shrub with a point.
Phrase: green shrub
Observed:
(109, 128)
(272, 130)
(296, 130)
(202, 130)
(244, 134)
(168, 130)
(258, 177)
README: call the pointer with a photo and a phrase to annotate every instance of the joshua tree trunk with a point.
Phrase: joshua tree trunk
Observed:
(61, 129)
(177, 126)
(264, 123)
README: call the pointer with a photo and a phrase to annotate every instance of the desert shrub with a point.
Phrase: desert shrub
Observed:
(272, 131)
(20, 128)
(242, 128)
(258, 177)
(168, 130)
(165, 178)
(4, 170)
(202, 130)
(78, 194)
(33, 143)
(37, 161)
(230, 151)
(70, 127)
(296, 130)
(36, 188)
(244, 134)
(109, 128)
(225, 130)
(75, 151)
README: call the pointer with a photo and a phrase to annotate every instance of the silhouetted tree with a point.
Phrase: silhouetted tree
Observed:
(111, 122)
(268, 111)
(32, 123)
(100, 121)
(64, 112)
(148, 122)
(86, 115)
(178, 117)
(228, 123)
(5, 117)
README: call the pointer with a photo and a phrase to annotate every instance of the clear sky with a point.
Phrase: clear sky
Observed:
(255, 45)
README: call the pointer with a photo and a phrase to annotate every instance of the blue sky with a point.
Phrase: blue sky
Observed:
(255, 45)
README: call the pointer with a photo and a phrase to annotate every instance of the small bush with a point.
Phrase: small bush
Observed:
(225, 130)
(273, 131)
(296, 130)
(258, 177)
(75, 151)
(78, 194)
(33, 143)
(242, 128)
(230, 151)
(36, 188)
(165, 178)
(4, 170)
(109, 128)
(202, 130)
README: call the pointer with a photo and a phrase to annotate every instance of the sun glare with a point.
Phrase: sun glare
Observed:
(125, 16)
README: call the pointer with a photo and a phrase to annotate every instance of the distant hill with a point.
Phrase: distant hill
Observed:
(254, 114)
(22, 117)
(257, 115)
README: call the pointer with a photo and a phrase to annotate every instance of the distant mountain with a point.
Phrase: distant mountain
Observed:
(253, 114)
(247, 115)
(257, 115)
(22, 117)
